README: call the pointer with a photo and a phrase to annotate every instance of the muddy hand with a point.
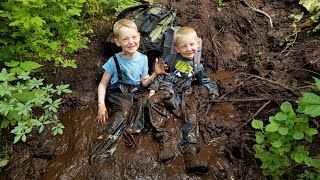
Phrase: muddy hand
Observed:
(102, 115)
(160, 68)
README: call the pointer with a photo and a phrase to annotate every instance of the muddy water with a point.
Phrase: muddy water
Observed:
(73, 150)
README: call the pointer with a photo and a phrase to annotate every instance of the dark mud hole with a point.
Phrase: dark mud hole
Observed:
(242, 54)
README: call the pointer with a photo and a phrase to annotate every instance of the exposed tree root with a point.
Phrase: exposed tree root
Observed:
(259, 11)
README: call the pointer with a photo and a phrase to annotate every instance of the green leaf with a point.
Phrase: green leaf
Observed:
(17, 138)
(12, 63)
(283, 130)
(311, 131)
(310, 104)
(276, 144)
(14, 23)
(280, 116)
(5, 123)
(299, 157)
(272, 127)
(298, 135)
(30, 65)
(286, 107)
(259, 137)
(257, 124)
(3, 162)
(310, 5)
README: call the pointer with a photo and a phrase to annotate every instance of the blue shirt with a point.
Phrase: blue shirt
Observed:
(133, 70)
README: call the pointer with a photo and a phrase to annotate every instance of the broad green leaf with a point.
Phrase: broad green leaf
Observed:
(257, 124)
(280, 116)
(298, 135)
(276, 144)
(271, 128)
(259, 137)
(317, 83)
(12, 63)
(29, 65)
(17, 138)
(311, 131)
(310, 5)
(5, 123)
(297, 17)
(286, 107)
(299, 157)
(14, 23)
(315, 163)
(3, 162)
(283, 130)
(310, 104)
(27, 95)
(16, 70)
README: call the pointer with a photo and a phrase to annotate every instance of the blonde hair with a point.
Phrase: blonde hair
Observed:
(184, 31)
(123, 23)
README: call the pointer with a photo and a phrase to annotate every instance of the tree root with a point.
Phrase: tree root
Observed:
(259, 11)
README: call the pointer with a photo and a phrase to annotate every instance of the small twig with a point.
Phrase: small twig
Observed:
(240, 84)
(257, 10)
(251, 99)
(306, 70)
(261, 108)
(290, 44)
(273, 82)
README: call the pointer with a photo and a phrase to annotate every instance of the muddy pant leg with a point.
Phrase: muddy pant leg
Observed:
(189, 128)
(115, 128)
(136, 117)
(136, 120)
(157, 110)
(160, 119)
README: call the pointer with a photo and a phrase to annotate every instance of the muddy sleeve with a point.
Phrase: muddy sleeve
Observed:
(155, 84)
(207, 82)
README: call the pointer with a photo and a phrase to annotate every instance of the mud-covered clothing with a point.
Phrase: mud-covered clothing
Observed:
(126, 100)
(174, 92)
(132, 70)
(183, 75)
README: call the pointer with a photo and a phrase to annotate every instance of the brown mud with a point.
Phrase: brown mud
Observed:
(255, 72)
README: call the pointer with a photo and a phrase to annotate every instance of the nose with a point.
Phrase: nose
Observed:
(189, 48)
(131, 40)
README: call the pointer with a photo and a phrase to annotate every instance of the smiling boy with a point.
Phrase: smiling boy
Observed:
(124, 77)
(173, 92)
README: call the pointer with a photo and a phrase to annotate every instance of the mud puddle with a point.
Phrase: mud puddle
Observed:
(73, 150)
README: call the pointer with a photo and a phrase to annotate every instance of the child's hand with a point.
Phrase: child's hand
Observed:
(160, 68)
(151, 92)
(102, 114)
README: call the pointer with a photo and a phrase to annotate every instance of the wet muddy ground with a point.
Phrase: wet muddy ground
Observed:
(242, 53)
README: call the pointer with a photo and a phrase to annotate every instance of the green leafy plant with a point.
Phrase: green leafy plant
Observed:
(280, 141)
(27, 103)
(313, 6)
(41, 30)
(307, 175)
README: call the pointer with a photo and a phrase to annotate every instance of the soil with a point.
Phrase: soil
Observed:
(248, 58)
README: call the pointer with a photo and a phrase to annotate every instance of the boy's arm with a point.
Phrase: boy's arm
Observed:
(159, 68)
(207, 82)
(102, 88)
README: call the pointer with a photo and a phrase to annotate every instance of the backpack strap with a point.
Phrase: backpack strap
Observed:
(197, 58)
(118, 67)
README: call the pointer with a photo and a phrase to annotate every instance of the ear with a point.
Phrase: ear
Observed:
(177, 49)
(198, 41)
(116, 41)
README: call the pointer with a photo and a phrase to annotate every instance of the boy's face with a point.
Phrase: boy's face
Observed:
(128, 39)
(187, 46)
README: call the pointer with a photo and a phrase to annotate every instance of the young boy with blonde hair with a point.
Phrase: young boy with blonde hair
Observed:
(174, 92)
(124, 76)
